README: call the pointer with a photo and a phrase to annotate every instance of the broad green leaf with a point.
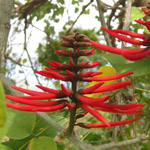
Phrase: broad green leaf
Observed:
(2, 133)
(4, 147)
(19, 124)
(137, 13)
(141, 67)
(42, 128)
(2, 112)
(2, 106)
(42, 143)
(107, 71)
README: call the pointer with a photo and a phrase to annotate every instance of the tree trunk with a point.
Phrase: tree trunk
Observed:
(5, 14)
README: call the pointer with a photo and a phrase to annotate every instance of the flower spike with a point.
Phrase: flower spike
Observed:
(50, 100)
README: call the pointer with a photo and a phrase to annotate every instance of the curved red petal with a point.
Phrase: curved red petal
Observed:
(123, 38)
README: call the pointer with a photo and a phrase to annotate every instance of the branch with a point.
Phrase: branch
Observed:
(113, 11)
(7, 83)
(18, 3)
(101, 16)
(28, 7)
(5, 14)
(123, 143)
(25, 48)
(127, 18)
(127, 15)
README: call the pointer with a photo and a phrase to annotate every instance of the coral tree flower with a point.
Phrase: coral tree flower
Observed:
(132, 54)
(50, 100)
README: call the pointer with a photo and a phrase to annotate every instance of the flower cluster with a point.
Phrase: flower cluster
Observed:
(141, 39)
(75, 98)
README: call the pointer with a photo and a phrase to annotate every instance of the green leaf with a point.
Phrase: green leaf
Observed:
(137, 13)
(2, 106)
(19, 124)
(4, 147)
(76, 9)
(60, 146)
(24, 60)
(42, 128)
(42, 143)
(2, 133)
(21, 71)
(2, 112)
(141, 67)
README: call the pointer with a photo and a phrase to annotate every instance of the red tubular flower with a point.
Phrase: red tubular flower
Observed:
(74, 97)
(66, 91)
(33, 102)
(118, 76)
(130, 54)
(95, 114)
(91, 89)
(91, 101)
(117, 123)
(123, 38)
(34, 108)
(146, 11)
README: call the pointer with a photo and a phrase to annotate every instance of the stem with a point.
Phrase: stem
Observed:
(73, 98)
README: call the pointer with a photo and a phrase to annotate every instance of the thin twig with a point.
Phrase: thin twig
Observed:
(83, 10)
(113, 11)
(147, 122)
(25, 48)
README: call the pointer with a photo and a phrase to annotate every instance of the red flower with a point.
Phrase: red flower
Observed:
(130, 54)
(74, 98)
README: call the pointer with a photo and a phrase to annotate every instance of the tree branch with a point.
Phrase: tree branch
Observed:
(123, 143)
(127, 15)
(102, 20)
(5, 14)
(28, 7)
